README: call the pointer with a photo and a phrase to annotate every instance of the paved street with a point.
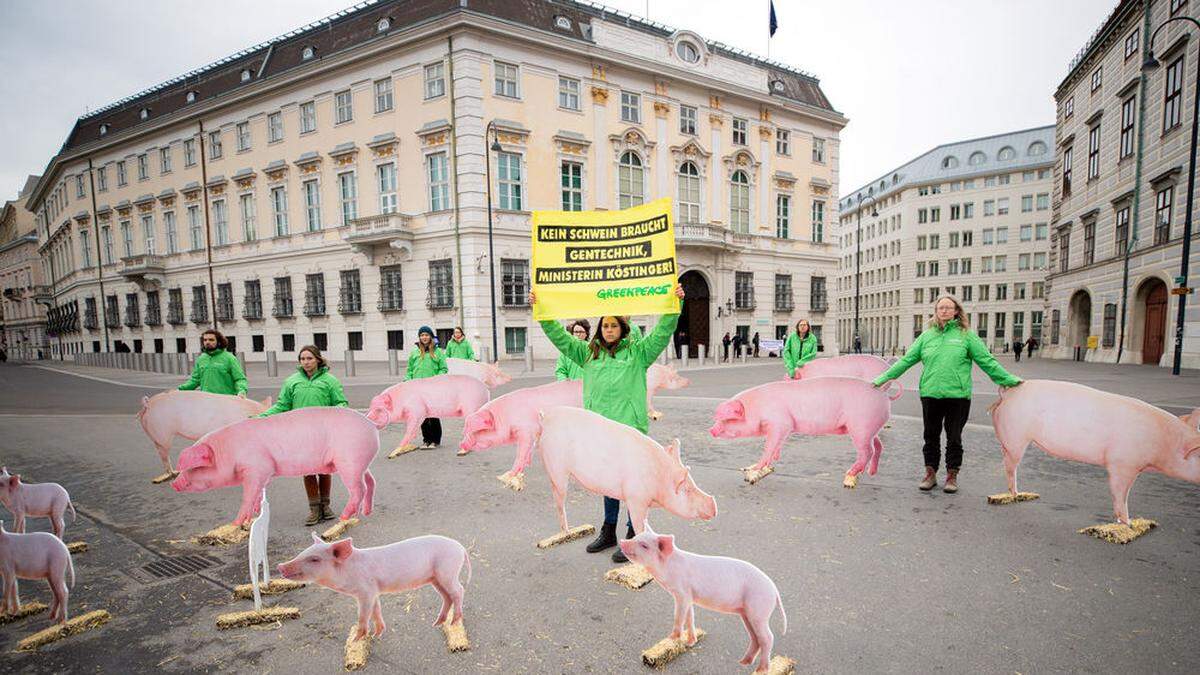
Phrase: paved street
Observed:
(883, 578)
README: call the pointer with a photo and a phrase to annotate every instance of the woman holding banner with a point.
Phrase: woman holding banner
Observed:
(614, 385)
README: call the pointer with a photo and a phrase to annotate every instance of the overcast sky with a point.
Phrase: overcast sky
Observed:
(908, 74)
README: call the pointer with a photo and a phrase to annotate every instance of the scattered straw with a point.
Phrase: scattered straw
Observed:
(781, 665)
(753, 475)
(849, 481)
(631, 576)
(59, 631)
(1010, 498)
(666, 650)
(456, 634)
(402, 450)
(225, 535)
(516, 483)
(577, 532)
(1120, 533)
(339, 528)
(162, 478)
(254, 617)
(77, 547)
(27, 609)
(276, 587)
(357, 651)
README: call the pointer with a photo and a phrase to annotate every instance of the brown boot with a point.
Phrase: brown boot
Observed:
(951, 485)
(930, 480)
(314, 513)
(325, 485)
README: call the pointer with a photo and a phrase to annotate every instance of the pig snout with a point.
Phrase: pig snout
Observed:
(180, 484)
(717, 430)
(287, 570)
(708, 509)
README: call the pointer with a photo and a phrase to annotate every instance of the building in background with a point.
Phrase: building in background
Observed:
(329, 187)
(23, 297)
(969, 218)
(1121, 178)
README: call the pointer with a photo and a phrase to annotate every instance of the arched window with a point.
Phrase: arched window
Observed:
(950, 162)
(687, 51)
(307, 53)
(977, 158)
(739, 202)
(1037, 148)
(631, 181)
(689, 193)
(1006, 153)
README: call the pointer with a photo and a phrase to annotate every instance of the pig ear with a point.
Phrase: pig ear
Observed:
(342, 549)
(666, 545)
(488, 419)
(201, 456)
(317, 539)
(681, 478)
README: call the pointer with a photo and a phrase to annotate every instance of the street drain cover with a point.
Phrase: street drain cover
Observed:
(171, 567)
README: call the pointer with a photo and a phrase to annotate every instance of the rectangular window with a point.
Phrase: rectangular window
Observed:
(249, 223)
(1027, 176)
(1069, 108)
(631, 107)
(818, 151)
(243, 136)
(395, 340)
(783, 293)
(127, 237)
(1131, 43)
(1043, 201)
(506, 76)
(783, 210)
(572, 186)
(175, 307)
(221, 222)
(435, 80)
(687, 120)
(283, 301)
(508, 177)
(1035, 325)
(1097, 79)
(199, 304)
(921, 268)
(969, 210)
(1121, 237)
(312, 205)
(1001, 235)
(383, 95)
(189, 152)
(132, 310)
(1110, 325)
(985, 294)
(933, 268)
(252, 305)
(391, 295)
(1026, 203)
(1026, 233)
(79, 186)
(1023, 262)
(1038, 290)
(1041, 232)
(954, 239)
(350, 294)
(343, 105)
(348, 195)
(922, 216)
(955, 211)
(1094, 153)
(1002, 206)
(966, 293)
(439, 186)
(935, 214)
(122, 178)
(1018, 325)
(225, 302)
(314, 294)
(1068, 152)
(989, 237)
(514, 340)
(153, 311)
(998, 329)
(143, 167)
(274, 127)
(148, 233)
(952, 266)
(102, 179)
(783, 142)
(85, 248)
(1039, 261)
(1127, 117)
(1064, 251)
(818, 221)
(195, 231)
(1089, 243)
(568, 93)
(308, 117)
(214, 145)
(1173, 95)
(989, 207)
(1162, 215)
(743, 293)
(740, 127)
(164, 161)
(386, 177)
(279, 210)
(515, 282)
(441, 284)
(919, 295)
(986, 264)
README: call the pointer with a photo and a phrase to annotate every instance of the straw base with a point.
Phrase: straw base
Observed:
(255, 617)
(163, 478)
(57, 632)
(27, 609)
(357, 651)
(631, 576)
(572, 534)
(77, 547)
(514, 482)
(275, 587)
(402, 450)
(781, 665)
(1120, 533)
(456, 634)
(339, 528)
(666, 649)
(753, 475)
(225, 535)
(1010, 498)
(849, 481)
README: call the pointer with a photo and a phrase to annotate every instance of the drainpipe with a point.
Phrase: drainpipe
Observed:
(454, 173)
(212, 289)
(1137, 186)
(101, 305)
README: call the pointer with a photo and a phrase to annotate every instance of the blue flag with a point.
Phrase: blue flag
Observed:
(774, 21)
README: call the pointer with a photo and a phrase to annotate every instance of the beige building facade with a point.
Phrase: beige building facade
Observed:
(23, 294)
(330, 187)
(969, 218)
(1122, 146)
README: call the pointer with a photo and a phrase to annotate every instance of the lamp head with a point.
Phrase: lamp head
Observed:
(1151, 63)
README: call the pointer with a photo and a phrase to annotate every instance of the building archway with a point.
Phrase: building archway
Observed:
(1151, 304)
(1080, 321)
(694, 319)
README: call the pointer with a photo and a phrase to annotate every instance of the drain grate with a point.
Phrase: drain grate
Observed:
(171, 567)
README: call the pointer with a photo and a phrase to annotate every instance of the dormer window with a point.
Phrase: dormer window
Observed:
(191, 97)
(384, 24)
(245, 74)
(103, 129)
(562, 22)
(777, 86)
(307, 53)
(687, 51)
(144, 114)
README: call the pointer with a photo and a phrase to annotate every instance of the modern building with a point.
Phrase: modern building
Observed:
(1122, 143)
(969, 218)
(330, 186)
(23, 295)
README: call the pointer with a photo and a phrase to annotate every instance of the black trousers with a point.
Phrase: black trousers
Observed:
(431, 430)
(949, 414)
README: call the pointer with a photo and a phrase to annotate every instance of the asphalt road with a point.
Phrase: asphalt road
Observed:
(883, 578)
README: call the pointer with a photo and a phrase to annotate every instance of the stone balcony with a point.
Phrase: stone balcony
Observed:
(390, 230)
(147, 271)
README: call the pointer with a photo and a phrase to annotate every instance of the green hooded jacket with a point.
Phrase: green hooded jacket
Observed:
(322, 390)
(615, 386)
(566, 369)
(797, 352)
(460, 350)
(217, 373)
(946, 354)
(421, 365)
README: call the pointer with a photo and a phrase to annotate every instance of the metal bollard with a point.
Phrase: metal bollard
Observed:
(684, 354)
(241, 357)
(272, 364)
(485, 354)
(700, 349)
(744, 357)
(529, 358)
(393, 362)
(349, 366)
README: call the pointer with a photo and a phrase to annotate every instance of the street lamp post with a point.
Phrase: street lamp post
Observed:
(858, 256)
(1182, 281)
(495, 147)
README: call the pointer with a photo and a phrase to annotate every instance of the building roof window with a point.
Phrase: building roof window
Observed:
(245, 74)
(687, 51)
(191, 97)
(950, 162)
(144, 114)
(384, 24)
(307, 53)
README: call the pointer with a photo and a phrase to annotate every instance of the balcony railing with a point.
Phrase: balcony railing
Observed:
(252, 310)
(352, 305)
(175, 316)
(282, 308)
(389, 303)
(313, 308)
(818, 303)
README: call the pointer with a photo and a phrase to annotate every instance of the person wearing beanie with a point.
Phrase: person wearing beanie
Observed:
(426, 360)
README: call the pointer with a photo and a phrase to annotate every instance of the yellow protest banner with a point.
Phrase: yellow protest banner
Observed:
(600, 263)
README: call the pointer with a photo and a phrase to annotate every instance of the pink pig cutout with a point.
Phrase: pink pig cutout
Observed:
(412, 401)
(191, 414)
(658, 377)
(40, 500)
(513, 418)
(38, 555)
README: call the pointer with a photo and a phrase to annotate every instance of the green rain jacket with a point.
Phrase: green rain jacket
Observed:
(615, 386)
(460, 350)
(322, 390)
(566, 369)
(946, 354)
(422, 365)
(217, 373)
(797, 352)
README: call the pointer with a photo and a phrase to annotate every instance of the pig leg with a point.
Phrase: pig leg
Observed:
(1120, 482)
(357, 485)
(164, 454)
(368, 501)
(865, 449)
(412, 425)
(19, 522)
(524, 454)
(765, 639)
(447, 602)
(690, 620)
(56, 522)
(653, 414)
(773, 447)
(637, 512)
(365, 605)
(58, 588)
(448, 580)
(11, 601)
(251, 494)
(682, 605)
(874, 465)
(377, 617)
(752, 650)
(558, 486)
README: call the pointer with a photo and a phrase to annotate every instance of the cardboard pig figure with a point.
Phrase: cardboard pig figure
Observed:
(38, 555)
(41, 500)
(258, 550)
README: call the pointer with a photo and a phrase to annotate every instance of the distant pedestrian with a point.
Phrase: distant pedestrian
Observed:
(857, 344)
(738, 341)
(1030, 345)
(1017, 345)
(755, 343)
(725, 343)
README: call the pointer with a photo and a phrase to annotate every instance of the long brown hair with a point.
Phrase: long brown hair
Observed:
(312, 349)
(959, 313)
(807, 332)
(597, 344)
